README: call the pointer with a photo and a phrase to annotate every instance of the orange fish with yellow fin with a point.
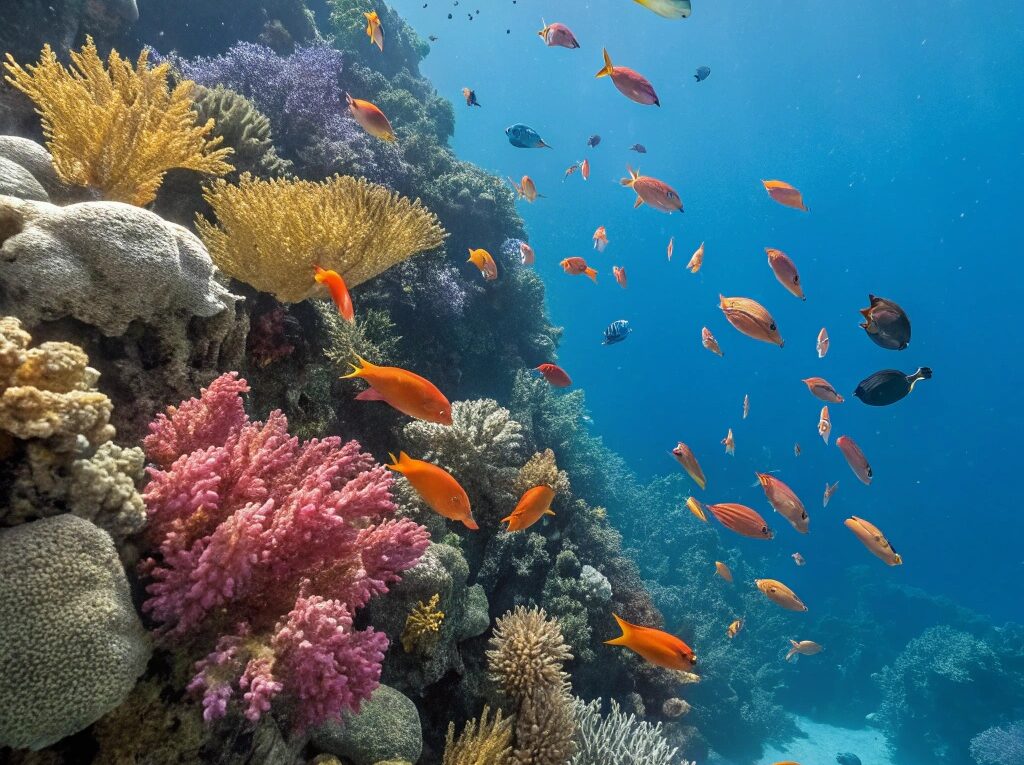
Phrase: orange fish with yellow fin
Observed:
(654, 645)
(437, 487)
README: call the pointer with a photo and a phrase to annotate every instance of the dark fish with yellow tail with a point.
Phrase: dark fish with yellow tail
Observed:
(889, 386)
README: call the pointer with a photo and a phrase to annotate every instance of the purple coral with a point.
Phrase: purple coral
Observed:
(274, 544)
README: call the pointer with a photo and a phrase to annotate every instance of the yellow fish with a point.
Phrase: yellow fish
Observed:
(694, 506)
(373, 29)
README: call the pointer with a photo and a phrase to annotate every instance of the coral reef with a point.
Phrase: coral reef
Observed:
(423, 627)
(73, 643)
(482, 741)
(387, 727)
(999, 746)
(242, 128)
(618, 738)
(63, 23)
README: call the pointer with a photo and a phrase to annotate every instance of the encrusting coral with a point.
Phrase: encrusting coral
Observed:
(423, 627)
(270, 233)
(116, 128)
(482, 742)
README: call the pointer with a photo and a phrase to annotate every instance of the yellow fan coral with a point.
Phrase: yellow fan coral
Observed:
(423, 627)
(116, 128)
(270, 232)
(482, 742)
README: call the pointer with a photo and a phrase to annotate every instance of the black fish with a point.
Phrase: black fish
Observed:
(639, 148)
(886, 324)
(703, 72)
(889, 386)
(594, 140)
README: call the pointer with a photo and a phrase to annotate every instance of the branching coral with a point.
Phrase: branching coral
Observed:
(116, 128)
(541, 469)
(270, 232)
(618, 738)
(482, 742)
(999, 746)
(423, 627)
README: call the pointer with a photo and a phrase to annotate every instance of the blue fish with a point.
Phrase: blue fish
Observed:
(525, 137)
(702, 73)
(616, 332)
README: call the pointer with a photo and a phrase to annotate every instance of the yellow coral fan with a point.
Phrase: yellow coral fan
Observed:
(117, 128)
(526, 653)
(423, 627)
(541, 469)
(482, 742)
(271, 232)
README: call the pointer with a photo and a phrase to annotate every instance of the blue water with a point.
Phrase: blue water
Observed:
(901, 123)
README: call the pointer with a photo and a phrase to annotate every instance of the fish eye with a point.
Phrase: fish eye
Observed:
(772, 326)
(803, 515)
(764, 529)
(693, 659)
(796, 279)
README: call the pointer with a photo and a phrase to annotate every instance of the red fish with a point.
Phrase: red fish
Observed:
(370, 118)
(631, 84)
(855, 458)
(339, 291)
(708, 341)
(576, 266)
(785, 502)
(824, 425)
(555, 375)
(620, 276)
(557, 35)
(657, 194)
(785, 194)
(744, 520)
(685, 456)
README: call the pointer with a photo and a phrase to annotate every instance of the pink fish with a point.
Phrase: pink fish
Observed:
(557, 35)
(822, 343)
(620, 276)
(526, 254)
(824, 424)
(600, 239)
(657, 194)
(631, 84)
(785, 271)
(855, 458)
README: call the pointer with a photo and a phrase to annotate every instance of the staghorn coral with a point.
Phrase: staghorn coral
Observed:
(541, 469)
(270, 232)
(117, 128)
(999, 746)
(423, 627)
(618, 738)
(482, 741)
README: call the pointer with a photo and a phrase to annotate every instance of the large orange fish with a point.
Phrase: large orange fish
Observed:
(855, 459)
(744, 520)
(657, 194)
(630, 83)
(780, 594)
(526, 189)
(576, 266)
(370, 118)
(751, 318)
(785, 271)
(404, 390)
(657, 647)
(684, 455)
(708, 341)
(534, 504)
(697, 260)
(784, 501)
(483, 260)
(874, 540)
(600, 239)
(823, 389)
(438, 488)
(824, 424)
(620, 275)
(555, 375)
(557, 35)
(338, 290)
(374, 30)
(785, 194)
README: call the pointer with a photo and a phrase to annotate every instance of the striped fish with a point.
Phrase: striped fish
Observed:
(616, 332)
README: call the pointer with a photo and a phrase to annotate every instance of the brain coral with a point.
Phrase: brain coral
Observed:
(73, 645)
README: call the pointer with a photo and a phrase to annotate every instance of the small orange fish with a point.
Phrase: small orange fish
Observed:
(374, 30)
(629, 82)
(585, 169)
(723, 571)
(657, 647)
(620, 276)
(855, 459)
(798, 559)
(780, 594)
(697, 260)
(576, 266)
(824, 424)
(671, 246)
(600, 239)
(482, 259)
(437, 487)
(555, 375)
(751, 318)
(829, 491)
(785, 194)
(744, 520)
(470, 96)
(571, 169)
(785, 271)
(730, 443)
(734, 628)
(404, 390)
(526, 254)
(657, 194)
(803, 648)
(684, 455)
(823, 389)
(822, 346)
(534, 504)
(526, 189)
(873, 539)
(694, 506)
(339, 291)
(370, 118)
(709, 342)
(796, 450)
(784, 501)
(746, 406)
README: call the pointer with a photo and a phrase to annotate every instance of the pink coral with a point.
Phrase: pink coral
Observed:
(274, 544)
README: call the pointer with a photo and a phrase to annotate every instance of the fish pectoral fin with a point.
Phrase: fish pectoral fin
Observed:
(549, 511)
(639, 201)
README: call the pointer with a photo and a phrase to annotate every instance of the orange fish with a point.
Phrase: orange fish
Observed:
(442, 493)
(370, 118)
(657, 647)
(697, 260)
(822, 346)
(730, 443)
(784, 501)
(829, 491)
(373, 29)
(482, 259)
(824, 424)
(600, 239)
(339, 291)
(404, 390)
(709, 342)
(803, 648)
(751, 318)
(585, 169)
(695, 507)
(526, 254)
(796, 450)
(823, 389)
(684, 455)
(620, 276)
(555, 375)
(784, 194)
(570, 170)
(734, 629)
(576, 266)
(630, 83)
(855, 459)
(526, 189)
(780, 594)
(470, 96)
(657, 194)
(744, 520)
(874, 540)
(785, 271)
(723, 571)
(746, 406)
(671, 246)
(534, 503)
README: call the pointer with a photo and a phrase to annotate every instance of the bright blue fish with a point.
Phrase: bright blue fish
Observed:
(616, 332)
(525, 137)
(702, 73)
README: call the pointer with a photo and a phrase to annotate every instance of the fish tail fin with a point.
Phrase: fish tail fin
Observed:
(544, 28)
(395, 462)
(696, 77)
(358, 369)
(470, 524)
(607, 68)
(544, 145)
(627, 632)
(592, 273)
(791, 654)
(349, 100)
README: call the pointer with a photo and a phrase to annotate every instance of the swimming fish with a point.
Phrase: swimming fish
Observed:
(437, 487)
(845, 758)
(526, 254)
(744, 520)
(576, 266)
(694, 506)
(620, 275)
(370, 118)
(482, 259)
(684, 455)
(337, 288)
(803, 648)
(855, 458)
(730, 444)
(746, 406)
(671, 247)
(534, 504)
(585, 169)
(526, 189)
(600, 239)
(889, 386)
(708, 341)
(433, 38)
(723, 571)
(630, 83)
(557, 35)
(555, 375)
(874, 540)
(822, 389)
(734, 629)
(697, 260)
(780, 594)
(824, 424)
(525, 137)
(785, 194)
(404, 390)
(470, 96)
(886, 324)
(594, 140)
(751, 318)
(785, 271)
(702, 73)
(796, 450)
(657, 647)
(669, 9)
(616, 332)
(785, 502)
(829, 491)
(798, 559)
(822, 346)
(571, 169)
(657, 194)
(639, 148)
(374, 30)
